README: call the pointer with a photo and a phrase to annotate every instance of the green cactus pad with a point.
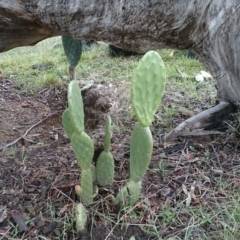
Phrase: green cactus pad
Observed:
(80, 217)
(105, 169)
(83, 148)
(73, 50)
(140, 151)
(67, 124)
(86, 193)
(76, 112)
(108, 134)
(148, 86)
(128, 195)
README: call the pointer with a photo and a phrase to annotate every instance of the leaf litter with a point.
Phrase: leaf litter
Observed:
(39, 172)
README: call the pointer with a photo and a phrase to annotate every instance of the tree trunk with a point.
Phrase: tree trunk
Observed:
(209, 28)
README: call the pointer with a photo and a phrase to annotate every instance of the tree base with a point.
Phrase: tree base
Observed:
(202, 123)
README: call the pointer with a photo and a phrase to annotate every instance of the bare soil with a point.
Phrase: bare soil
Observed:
(38, 172)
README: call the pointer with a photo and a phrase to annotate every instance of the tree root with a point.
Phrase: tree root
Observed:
(203, 121)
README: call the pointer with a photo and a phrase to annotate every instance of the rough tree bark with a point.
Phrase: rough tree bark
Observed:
(209, 28)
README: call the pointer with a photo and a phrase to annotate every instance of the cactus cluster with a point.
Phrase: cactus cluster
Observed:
(83, 147)
(82, 144)
(146, 93)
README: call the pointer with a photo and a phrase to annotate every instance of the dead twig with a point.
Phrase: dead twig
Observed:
(61, 192)
(66, 186)
(28, 130)
(216, 154)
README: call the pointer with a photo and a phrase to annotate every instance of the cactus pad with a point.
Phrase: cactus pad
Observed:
(73, 50)
(108, 134)
(83, 148)
(148, 86)
(76, 112)
(129, 194)
(67, 124)
(105, 169)
(81, 217)
(86, 192)
(140, 151)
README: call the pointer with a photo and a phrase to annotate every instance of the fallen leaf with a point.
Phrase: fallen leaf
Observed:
(12, 192)
(50, 228)
(192, 190)
(188, 200)
(223, 154)
(63, 209)
(19, 220)
(167, 202)
(40, 224)
(190, 194)
(3, 213)
(205, 178)
(222, 192)
(184, 111)
(165, 191)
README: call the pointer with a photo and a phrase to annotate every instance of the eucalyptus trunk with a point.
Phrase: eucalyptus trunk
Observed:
(209, 28)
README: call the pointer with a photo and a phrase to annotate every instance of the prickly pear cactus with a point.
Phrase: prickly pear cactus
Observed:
(83, 148)
(129, 194)
(73, 49)
(140, 156)
(81, 217)
(105, 163)
(86, 192)
(146, 93)
(140, 151)
(82, 144)
(67, 124)
(108, 134)
(105, 169)
(94, 174)
(75, 106)
(148, 86)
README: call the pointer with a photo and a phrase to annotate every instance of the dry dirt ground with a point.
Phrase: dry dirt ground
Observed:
(38, 172)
